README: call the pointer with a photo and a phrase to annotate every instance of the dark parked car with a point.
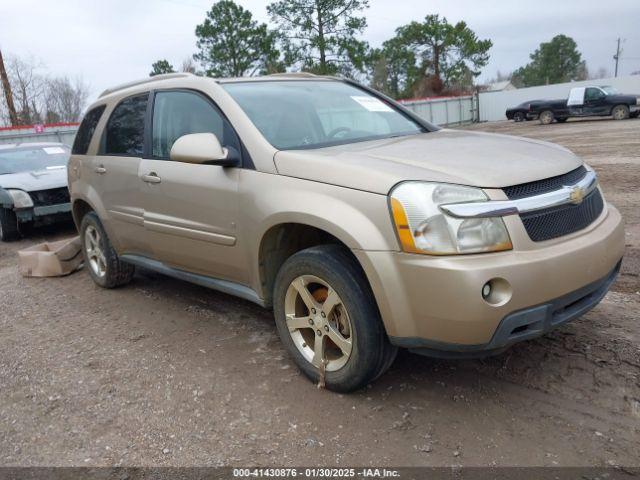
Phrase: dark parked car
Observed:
(587, 102)
(522, 112)
(33, 186)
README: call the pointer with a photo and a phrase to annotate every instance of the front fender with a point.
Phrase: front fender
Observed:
(6, 201)
(361, 220)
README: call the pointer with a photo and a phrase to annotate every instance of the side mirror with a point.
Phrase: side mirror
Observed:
(202, 148)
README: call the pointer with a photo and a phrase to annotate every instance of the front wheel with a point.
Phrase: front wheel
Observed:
(328, 320)
(546, 117)
(105, 268)
(8, 225)
(620, 112)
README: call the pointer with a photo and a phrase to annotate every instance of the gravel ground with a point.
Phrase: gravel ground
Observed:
(166, 373)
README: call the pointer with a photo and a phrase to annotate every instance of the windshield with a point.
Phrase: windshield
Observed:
(313, 114)
(28, 159)
(609, 90)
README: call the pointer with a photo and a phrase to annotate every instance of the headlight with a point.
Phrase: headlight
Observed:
(21, 199)
(423, 228)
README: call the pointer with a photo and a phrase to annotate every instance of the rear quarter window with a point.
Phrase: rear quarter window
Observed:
(86, 130)
(124, 133)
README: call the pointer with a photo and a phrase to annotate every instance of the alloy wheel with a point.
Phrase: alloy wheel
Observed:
(619, 113)
(546, 117)
(318, 322)
(95, 255)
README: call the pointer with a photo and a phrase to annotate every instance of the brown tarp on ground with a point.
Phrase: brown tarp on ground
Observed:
(51, 259)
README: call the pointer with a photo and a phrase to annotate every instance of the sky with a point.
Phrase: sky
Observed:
(107, 42)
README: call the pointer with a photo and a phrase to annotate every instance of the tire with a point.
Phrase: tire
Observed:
(519, 117)
(546, 117)
(8, 225)
(101, 259)
(620, 112)
(562, 120)
(328, 273)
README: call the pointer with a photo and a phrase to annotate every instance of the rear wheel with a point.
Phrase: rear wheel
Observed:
(546, 117)
(8, 225)
(104, 266)
(620, 112)
(328, 320)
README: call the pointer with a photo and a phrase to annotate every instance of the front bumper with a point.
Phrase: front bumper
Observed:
(435, 303)
(522, 325)
(44, 214)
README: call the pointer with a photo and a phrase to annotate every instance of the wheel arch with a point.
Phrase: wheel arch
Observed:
(620, 104)
(79, 209)
(84, 199)
(6, 201)
(282, 240)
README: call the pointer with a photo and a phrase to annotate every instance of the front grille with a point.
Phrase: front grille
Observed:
(547, 185)
(52, 196)
(562, 220)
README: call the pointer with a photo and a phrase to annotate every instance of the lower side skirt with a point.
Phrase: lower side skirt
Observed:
(224, 286)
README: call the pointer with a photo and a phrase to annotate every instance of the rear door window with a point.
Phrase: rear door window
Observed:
(125, 129)
(86, 130)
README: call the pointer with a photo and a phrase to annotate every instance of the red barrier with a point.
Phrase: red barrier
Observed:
(45, 126)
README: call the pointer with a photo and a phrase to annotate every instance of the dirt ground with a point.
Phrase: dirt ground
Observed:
(166, 373)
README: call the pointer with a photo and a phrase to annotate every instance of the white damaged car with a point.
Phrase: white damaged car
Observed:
(33, 186)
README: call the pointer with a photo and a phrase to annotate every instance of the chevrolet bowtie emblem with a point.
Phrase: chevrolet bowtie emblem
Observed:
(577, 195)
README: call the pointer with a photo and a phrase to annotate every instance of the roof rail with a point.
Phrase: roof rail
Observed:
(163, 76)
(294, 74)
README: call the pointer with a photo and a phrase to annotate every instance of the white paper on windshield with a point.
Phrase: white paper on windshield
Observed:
(53, 150)
(372, 104)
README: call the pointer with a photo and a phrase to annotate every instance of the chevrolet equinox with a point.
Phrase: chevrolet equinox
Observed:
(363, 227)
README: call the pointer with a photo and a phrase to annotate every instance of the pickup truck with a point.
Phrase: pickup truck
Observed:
(587, 102)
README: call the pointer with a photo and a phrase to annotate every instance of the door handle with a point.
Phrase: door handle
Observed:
(100, 169)
(152, 177)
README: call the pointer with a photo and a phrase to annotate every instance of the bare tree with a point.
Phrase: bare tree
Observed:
(8, 95)
(65, 100)
(189, 66)
(28, 88)
(602, 72)
(39, 97)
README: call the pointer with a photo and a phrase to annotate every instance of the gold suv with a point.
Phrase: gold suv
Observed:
(364, 227)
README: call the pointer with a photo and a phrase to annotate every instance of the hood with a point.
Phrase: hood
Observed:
(449, 156)
(36, 180)
(623, 98)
